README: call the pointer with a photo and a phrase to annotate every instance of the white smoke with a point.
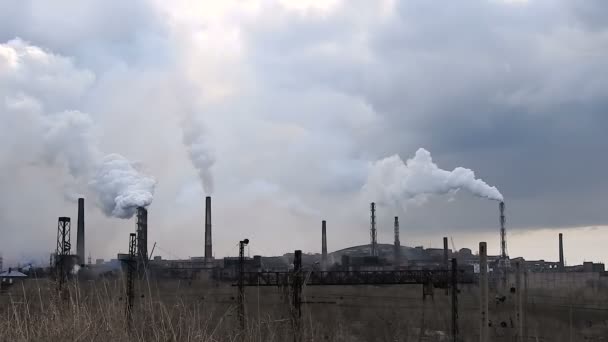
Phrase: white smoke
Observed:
(392, 181)
(34, 85)
(200, 154)
(75, 269)
(121, 188)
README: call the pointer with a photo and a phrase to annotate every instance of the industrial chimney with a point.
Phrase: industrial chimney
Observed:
(397, 247)
(372, 233)
(208, 244)
(561, 252)
(324, 245)
(142, 235)
(446, 266)
(80, 232)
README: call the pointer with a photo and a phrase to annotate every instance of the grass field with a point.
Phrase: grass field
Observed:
(174, 310)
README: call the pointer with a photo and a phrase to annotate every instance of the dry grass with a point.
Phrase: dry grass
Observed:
(173, 310)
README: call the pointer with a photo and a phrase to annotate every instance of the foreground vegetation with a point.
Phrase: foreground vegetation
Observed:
(177, 310)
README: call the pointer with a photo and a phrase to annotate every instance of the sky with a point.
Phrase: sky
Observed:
(283, 110)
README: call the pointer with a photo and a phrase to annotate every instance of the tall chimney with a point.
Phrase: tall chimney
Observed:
(208, 244)
(324, 245)
(372, 233)
(80, 232)
(561, 252)
(445, 253)
(142, 235)
(397, 246)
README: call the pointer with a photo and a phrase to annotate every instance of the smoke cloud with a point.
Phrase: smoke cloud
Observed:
(121, 188)
(32, 81)
(391, 181)
(199, 152)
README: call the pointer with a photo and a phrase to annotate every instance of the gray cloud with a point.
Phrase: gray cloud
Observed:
(295, 104)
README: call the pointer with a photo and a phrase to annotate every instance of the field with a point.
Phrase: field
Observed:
(203, 310)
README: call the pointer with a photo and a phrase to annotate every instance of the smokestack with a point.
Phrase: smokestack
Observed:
(142, 235)
(397, 247)
(80, 232)
(561, 252)
(324, 245)
(374, 251)
(445, 253)
(503, 231)
(208, 244)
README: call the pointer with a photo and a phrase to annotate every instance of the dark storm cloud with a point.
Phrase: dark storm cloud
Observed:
(512, 90)
(297, 104)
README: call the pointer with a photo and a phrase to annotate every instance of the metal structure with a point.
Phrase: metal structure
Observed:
(446, 264)
(241, 294)
(397, 247)
(80, 251)
(324, 245)
(483, 293)
(300, 277)
(519, 302)
(372, 233)
(438, 278)
(142, 237)
(208, 243)
(454, 290)
(131, 267)
(561, 252)
(63, 250)
(296, 292)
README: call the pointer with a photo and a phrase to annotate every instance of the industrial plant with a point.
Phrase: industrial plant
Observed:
(501, 286)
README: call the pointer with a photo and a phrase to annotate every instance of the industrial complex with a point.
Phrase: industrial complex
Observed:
(456, 274)
(367, 257)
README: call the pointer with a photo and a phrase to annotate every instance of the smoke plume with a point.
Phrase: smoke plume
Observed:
(35, 86)
(392, 181)
(121, 188)
(200, 154)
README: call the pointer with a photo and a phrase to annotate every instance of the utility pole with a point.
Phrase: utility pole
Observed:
(241, 294)
(297, 294)
(520, 307)
(483, 292)
(454, 286)
(446, 265)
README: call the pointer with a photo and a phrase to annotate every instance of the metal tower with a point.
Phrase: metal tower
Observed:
(131, 265)
(374, 242)
(63, 250)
